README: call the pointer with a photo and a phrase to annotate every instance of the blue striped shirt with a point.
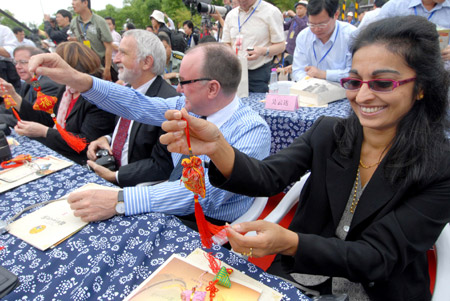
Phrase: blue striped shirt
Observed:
(245, 130)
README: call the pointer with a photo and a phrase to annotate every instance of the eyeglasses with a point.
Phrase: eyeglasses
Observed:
(320, 25)
(186, 82)
(376, 85)
(20, 62)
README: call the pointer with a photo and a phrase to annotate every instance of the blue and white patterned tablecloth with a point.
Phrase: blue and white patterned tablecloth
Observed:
(286, 126)
(105, 260)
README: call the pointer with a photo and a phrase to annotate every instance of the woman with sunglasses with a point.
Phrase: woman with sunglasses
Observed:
(379, 191)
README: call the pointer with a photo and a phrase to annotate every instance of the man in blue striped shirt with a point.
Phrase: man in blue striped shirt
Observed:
(209, 77)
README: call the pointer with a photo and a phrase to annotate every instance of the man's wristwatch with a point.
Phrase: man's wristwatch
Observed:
(267, 51)
(120, 206)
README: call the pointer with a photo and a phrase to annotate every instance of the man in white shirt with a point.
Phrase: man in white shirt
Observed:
(115, 35)
(8, 43)
(20, 36)
(322, 50)
(256, 27)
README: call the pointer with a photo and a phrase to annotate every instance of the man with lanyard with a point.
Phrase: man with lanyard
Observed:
(436, 11)
(93, 31)
(255, 27)
(322, 50)
(173, 60)
(297, 23)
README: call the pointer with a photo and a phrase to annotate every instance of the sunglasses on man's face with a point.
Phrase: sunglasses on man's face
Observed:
(376, 85)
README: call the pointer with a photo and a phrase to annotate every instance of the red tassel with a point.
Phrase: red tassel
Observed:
(212, 289)
(76, 143)
(205, 228)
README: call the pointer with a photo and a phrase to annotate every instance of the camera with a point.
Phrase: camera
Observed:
(211, 9)
(5, 151)
(105, 160)
(204, 7)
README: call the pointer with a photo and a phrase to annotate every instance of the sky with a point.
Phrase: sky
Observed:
(32, 11)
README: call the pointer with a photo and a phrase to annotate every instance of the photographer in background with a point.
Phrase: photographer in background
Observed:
(138, 154)
(58, 32)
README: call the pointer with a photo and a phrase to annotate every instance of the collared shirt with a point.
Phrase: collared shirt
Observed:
(263, 28)
(369, 17)
(26, 42)
(334, 56)
(244, 130)
(96, 30)
(124, 158)
(8, 41)
(439, 15)
(116, 41)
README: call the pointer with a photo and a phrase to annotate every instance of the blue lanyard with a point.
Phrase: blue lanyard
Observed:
(85, 27)
(429, 17)
(328, 51)
(189, 42)
(239, 17)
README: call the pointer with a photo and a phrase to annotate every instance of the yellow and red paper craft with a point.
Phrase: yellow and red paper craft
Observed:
(10, 103)
(193, 177)
(46, 103)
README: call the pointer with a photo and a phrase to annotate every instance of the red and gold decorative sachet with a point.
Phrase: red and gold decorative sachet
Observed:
(193, 177)
(46, 103)
(10, 103)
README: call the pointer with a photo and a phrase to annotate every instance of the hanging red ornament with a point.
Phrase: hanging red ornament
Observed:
(10, 103)
(193, 177)
(46, 103)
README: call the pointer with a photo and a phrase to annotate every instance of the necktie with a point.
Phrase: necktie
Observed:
(119, 140)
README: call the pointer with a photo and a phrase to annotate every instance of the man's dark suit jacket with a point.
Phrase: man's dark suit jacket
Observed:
(148, 159)
(85, 121)
(48, 86)
(392, 228)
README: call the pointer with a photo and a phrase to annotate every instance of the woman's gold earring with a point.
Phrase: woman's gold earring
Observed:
(420, 95)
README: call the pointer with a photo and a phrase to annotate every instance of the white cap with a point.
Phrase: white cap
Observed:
(158, 16)
(305, 3)
(350, 14)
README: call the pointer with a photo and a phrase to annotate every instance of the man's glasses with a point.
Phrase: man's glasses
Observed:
(20, 62)
(376, 85)
(186, 82)
(320, 25)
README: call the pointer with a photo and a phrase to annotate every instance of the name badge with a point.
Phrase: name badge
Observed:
(87, 43)
(282, 102)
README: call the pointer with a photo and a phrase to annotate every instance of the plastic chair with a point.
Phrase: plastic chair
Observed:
(254, 211)
(442, 286)
(287, 202)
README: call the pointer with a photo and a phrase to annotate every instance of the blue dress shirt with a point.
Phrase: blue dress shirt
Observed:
(439, 15)
(244, 130)
(334, 56)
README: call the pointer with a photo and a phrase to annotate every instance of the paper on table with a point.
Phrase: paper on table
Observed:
(51, 224)
(14, 177)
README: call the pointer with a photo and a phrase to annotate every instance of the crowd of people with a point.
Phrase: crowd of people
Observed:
(377, 197)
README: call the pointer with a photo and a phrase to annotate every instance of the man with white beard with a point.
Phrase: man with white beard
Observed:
(138, 154)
